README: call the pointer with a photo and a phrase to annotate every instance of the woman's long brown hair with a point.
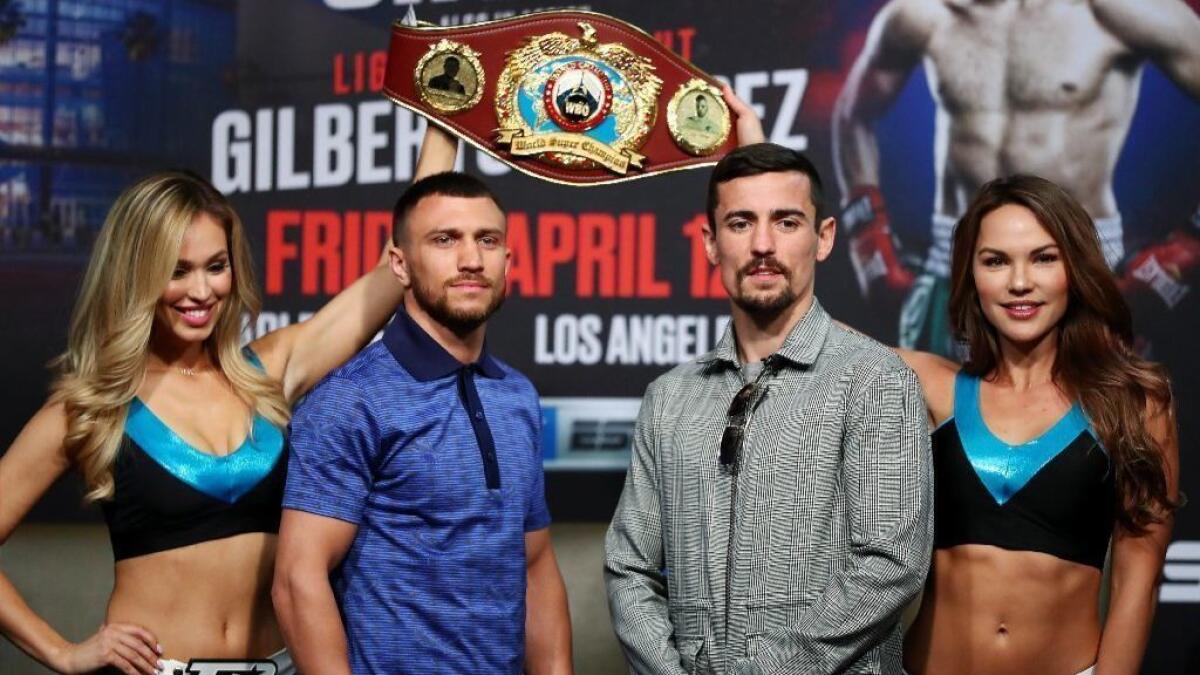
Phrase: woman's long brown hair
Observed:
(1096, 363)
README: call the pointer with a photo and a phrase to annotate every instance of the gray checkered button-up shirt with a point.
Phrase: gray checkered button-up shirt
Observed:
(801, 561)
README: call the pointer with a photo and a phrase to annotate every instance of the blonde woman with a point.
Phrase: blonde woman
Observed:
(178, 430)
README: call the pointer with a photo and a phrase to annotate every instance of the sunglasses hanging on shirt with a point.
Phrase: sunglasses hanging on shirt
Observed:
(740, 411)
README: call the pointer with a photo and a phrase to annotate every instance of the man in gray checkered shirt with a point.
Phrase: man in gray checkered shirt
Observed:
(777, 515)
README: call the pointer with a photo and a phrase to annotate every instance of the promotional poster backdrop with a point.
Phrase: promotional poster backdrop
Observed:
(278, 103)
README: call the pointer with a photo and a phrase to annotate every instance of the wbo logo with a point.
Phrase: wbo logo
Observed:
(577, 103)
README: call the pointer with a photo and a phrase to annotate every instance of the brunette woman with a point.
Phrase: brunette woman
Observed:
(1052, 439)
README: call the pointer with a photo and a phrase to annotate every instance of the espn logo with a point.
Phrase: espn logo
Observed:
(597, 435)
(588, 433)
(1181, 573)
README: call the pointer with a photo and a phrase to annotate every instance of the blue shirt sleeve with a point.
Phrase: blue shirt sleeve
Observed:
(334, 438)
(537, 513)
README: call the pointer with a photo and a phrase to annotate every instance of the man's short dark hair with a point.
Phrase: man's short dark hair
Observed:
(752, 160)
(448, 184)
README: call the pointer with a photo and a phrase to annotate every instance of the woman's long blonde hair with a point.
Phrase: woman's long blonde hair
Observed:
(133, 260)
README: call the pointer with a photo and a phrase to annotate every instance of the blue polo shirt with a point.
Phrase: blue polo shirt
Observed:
(439, 465)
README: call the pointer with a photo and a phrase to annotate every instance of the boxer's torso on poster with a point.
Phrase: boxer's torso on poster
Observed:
(1044, 89)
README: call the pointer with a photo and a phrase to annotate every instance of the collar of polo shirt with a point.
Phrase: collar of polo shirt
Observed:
(424, 358)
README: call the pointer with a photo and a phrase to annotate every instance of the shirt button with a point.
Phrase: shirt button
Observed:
(478, 415)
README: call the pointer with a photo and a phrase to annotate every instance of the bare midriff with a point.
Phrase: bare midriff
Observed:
(991, 611)
(208, 600)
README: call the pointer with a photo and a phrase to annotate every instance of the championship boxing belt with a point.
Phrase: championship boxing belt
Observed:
(571, 97)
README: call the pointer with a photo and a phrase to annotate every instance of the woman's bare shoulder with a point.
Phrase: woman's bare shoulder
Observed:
(937, 375)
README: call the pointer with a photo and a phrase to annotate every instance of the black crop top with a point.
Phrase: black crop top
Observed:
(167, 494)
(1054, 494)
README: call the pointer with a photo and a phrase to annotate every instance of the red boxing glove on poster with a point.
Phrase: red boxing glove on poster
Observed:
(874, 249)
(1167, 269)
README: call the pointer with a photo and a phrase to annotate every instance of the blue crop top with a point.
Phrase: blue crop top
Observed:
(169, 494)
(1054, 494)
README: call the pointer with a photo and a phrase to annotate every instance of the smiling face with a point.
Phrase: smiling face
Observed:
(189, 306)
(1019, 275)
(454, 259)
(767, 241)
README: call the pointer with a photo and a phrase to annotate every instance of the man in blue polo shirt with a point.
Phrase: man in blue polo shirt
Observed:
(415, 531)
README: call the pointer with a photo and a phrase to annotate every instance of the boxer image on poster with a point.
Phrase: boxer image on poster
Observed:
(1047, 88)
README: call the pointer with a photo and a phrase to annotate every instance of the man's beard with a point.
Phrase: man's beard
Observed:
(761, 305)
(459, 321)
